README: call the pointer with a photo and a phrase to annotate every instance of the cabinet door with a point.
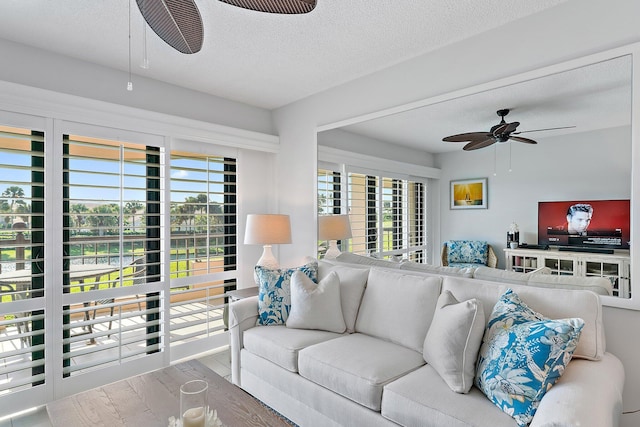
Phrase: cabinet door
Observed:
(562, 266)
(523, 263)
(612, 270)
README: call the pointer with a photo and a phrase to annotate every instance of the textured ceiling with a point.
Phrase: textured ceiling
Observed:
(592, 97)
(260, 59)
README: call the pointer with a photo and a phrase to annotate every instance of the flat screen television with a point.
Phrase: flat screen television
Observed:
(585, 223)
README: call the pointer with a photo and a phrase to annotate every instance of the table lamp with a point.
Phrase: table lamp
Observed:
(267, 230)
(333, 228)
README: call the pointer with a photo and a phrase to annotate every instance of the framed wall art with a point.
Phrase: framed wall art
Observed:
(469, 194)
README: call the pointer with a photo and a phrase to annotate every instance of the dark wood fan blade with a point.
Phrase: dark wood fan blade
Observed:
(505, 128)
(272, 6)
(466, 137)
(521, 139)
(540, 130)
(179, 24)
(511, 127)
(478, 144)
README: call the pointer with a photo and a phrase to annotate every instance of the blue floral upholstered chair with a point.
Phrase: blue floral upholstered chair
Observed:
(468, 253)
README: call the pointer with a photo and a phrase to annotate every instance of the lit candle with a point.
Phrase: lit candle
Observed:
(193, 417)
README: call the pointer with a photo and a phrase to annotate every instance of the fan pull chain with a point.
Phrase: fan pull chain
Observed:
(145, 58)
(129, 83)
(510, 156)
(495, 159)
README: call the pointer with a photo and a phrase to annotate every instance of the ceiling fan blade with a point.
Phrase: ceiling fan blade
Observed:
(479, 144)
(178, 23)
(469, 136)
(504, 128)
(540, 130)
(275, 6)
(521, 139)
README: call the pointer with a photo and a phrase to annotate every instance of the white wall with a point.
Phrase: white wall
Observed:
(38, 68)
(349, 141)
(588, 166)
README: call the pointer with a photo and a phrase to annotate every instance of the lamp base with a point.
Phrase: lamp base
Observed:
(333, 251)
(267, 260)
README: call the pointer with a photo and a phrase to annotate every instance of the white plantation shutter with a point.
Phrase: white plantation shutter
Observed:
(331, 200)
(388, 216)
(203, 239)
(112, 291)
(329, 192)
(22, 265)
(364, 213)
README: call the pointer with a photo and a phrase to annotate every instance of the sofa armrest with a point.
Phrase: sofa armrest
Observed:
(589, 393)
(243, 315)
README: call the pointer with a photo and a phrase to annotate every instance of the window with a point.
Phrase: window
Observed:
(329, 192)
(203, 244)
(22, 233)
(111, 249)
(387, 215)
(124, 282)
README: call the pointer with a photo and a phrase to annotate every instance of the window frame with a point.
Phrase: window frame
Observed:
(347, 164)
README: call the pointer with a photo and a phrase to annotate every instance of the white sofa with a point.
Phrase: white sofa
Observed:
(375, 373)
(541, 277)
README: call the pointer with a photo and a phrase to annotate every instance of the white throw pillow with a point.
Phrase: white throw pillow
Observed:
(352, 283)
(316, 306)
(453, 341)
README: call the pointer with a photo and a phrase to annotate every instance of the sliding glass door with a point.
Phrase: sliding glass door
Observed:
(115, 252)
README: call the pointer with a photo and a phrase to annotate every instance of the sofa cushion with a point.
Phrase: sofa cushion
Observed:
(357, 366)
(398, 307)
(274, 293)
(352, 283)
(281, 345)
(453, 340)
(599, 285)
(316, 306)
(506, 276)
(552, 303)
(433, 269)
(543, 279)
(422, 399)
(521, 358)
(351, 258)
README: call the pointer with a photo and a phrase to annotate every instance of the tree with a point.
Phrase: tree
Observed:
(15, 195)
(78, 210)
(105, 217)
(131, 208)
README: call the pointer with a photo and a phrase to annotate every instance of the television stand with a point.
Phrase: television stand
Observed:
(585, 249)
(570, 262)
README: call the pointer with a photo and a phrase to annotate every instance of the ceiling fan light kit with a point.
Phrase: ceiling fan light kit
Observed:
(502, 132)
(289, 7)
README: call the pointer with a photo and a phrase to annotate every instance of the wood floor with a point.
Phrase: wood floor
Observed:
(218, 361)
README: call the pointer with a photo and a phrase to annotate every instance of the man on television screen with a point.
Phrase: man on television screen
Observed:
(579, 218)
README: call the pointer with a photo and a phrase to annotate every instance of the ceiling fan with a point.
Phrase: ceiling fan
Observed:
(502, 132)
(275, 6)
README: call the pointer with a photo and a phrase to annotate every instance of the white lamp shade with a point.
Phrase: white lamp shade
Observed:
(334, 227)
(267, 229)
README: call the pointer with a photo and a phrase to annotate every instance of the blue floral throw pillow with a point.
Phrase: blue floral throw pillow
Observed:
(467, 251)
(522, 356)
(274, 293)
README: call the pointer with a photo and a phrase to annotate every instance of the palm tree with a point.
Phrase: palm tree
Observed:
(104, 217)
(79, 210)
(130, 208)
(15, 194)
